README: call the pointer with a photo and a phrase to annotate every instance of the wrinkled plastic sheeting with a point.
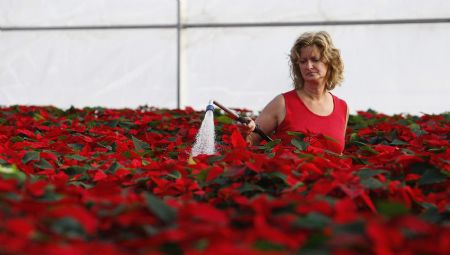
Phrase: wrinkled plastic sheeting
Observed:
(392, 69)
(235, 11)
(25, 13)
(111, 68)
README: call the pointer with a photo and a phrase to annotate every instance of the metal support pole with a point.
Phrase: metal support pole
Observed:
(178, 54)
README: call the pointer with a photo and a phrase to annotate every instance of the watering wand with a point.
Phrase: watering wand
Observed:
(234, 116)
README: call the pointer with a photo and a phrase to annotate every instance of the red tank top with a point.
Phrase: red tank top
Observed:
(300, 119)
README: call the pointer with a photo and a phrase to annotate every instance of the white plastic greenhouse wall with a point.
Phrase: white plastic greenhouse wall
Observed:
(116, 53)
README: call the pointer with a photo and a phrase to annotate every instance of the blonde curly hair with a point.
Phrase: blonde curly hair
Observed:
(330, 55)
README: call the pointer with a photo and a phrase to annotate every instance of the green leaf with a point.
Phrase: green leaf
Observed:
(396, 142)
(68, 227)
(150, 230)
(11, 172)
(43, 164)
(296, 134)
(354, 137)
(366, 147)
(75, 157)
(272, 144)
(392, 209)
(201, 244)
(81, 184)
(278, 175)
(265, 245)
(432, 214)
(201, 176)
(313, 220)
(175, 174)
(160, 209)
(329, 138)
(16, 139)
(366, 173)
(112, 123)
(224, 119)
(114, 167)
(250, 187)
(74, 170)
(431, 176)
(76, 146)
(31, 156)
(354, 227)
(316, 250)
(214, 158)
(140, 145)
(301, 145)
(315, 245)
(372, 183)
(415, 128)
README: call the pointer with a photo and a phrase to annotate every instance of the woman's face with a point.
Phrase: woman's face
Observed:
(311, 66)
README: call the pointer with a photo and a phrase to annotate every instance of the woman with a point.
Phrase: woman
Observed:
(316, 68)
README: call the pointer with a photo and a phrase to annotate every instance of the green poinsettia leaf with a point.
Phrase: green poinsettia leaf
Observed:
(392, 209)
(160, 209)
(113, 168)
(223, 119)
(372, 183)
(75, 157)
(296, 134)
(74, 170)
(76, 146)
(301, 145)
(313, 220)
(416, 129)
(250, 188)
(432, 176)
(31, 156)
(68, 227)
(43, 164)
(11, 172)
(265, 245)
(367, 173)
(214, 158)
(397, 142)
(140, 145)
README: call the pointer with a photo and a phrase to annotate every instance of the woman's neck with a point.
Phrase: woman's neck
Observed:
(314, 92)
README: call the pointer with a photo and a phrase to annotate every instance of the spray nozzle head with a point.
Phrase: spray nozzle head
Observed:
(210, 107)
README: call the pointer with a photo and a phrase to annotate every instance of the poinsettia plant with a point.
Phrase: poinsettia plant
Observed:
(121, 181)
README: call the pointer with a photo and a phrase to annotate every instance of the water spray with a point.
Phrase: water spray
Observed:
(205, 140)
(242, 120)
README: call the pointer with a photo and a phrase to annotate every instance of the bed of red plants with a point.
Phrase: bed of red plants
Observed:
(95, 180)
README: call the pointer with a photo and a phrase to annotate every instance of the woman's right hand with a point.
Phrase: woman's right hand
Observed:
(247, 128)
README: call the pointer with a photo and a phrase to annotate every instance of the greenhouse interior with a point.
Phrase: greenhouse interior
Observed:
(144, 127)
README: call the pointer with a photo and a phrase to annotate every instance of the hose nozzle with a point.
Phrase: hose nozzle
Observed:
(210, 107)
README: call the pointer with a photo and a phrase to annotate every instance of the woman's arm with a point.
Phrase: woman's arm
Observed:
(268, 120)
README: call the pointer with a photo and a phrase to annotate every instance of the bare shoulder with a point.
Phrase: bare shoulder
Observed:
(275, 109)
(276, 104)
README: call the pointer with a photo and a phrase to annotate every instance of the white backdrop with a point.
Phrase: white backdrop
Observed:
(389, 68)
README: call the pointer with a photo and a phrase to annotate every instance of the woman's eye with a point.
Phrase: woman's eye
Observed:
(302, 61)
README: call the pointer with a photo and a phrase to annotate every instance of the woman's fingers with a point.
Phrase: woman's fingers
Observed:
(247, 128)
(251, 125)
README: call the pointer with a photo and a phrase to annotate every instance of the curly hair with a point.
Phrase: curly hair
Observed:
(330, 55)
